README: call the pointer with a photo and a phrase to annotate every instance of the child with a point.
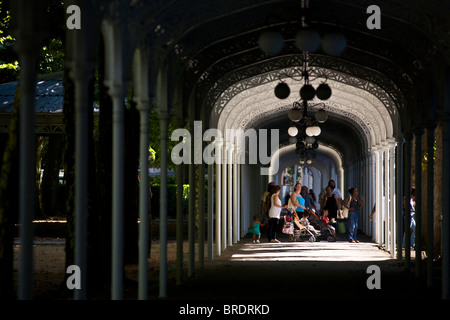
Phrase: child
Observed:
(305, 222)
(255, 229)
(326, 220)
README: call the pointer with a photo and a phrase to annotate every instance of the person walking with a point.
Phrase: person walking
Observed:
(353, 204)
(274, 213)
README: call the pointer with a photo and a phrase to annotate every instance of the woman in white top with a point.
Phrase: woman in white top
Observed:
(274, 213)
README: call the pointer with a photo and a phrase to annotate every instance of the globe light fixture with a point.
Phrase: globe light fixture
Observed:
(310, 140)
(295, 114)
(334, 43)
(282, 90)
(321, 116)
(315, 145)
(271, 42)
(323, 91)
(302, 158)
(316, 131)
(300, 145)
(313, 131)
(307, 92)
(292, 131)
(308, 40)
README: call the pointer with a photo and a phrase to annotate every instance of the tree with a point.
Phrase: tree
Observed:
(155, 142)
(9, 64)
(51, 56)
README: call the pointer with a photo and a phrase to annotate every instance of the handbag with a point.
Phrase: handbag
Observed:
(341, 227)
(291, 206)
(344, 212)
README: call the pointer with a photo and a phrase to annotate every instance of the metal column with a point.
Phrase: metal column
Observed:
(418, 132)
(27, 156)
(430, 203)
(116, 92)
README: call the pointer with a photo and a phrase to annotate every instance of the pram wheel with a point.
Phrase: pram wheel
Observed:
(312, 239)
(331, 239)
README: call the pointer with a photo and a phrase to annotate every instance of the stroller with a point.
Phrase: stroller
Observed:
(291, 219)
(317, 223)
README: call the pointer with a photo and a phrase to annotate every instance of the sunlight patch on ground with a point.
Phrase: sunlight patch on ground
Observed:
(310, 251)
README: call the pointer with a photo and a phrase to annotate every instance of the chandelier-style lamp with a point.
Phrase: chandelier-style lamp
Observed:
(307, 91)
(307, 39)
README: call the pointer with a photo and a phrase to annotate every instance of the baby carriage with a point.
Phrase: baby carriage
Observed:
(317, 223)
(302, 230)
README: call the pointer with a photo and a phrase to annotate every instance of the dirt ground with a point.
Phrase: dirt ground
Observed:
(49, 264)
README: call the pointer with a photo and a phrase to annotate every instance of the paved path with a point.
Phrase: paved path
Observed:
(311, 271)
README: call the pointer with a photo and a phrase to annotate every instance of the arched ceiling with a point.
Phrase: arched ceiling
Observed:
(289, 157)
(358, 120)
(211, 47)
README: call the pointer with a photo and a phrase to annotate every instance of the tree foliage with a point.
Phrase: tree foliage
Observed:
(51, 55)
(9, 64)
(155, 141)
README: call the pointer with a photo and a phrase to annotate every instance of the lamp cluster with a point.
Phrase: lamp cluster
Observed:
(306, 39)
(304, 130)
(307, 91)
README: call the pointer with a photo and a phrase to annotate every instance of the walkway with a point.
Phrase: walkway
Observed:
(311, 271)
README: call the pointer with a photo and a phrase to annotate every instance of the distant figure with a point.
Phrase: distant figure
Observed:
(265, 203)
(274, 213)
(330, 202)
(353, 211)
(412, 212)
(335, 190)
(309, 201)
(255, 229)
(313, 195)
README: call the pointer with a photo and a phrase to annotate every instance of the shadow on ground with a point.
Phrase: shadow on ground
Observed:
(301, 270)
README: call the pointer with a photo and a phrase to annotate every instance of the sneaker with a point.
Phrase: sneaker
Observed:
(257, 241)
(275, 241)
(254, 241)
